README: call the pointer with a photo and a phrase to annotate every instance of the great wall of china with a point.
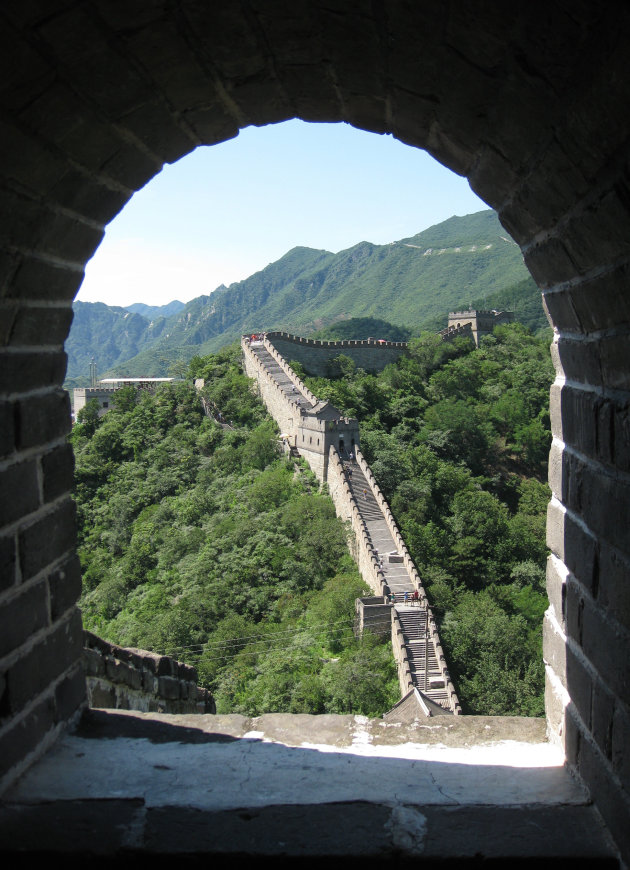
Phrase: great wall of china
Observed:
(330, 443)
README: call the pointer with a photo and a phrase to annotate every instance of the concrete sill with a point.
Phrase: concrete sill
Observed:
(460, 789)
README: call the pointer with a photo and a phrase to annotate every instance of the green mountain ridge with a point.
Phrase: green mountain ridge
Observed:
(408, 283)
(150, 312)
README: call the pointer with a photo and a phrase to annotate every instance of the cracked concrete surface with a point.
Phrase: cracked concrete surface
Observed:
(300, 785)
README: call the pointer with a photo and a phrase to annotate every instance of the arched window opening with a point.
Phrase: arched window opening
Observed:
(447, 578)
(538, 132)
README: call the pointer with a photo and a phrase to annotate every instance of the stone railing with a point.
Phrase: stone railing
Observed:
(456, 331)
(413, 574)
(131, 679)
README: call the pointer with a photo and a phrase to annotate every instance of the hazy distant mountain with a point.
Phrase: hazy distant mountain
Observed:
(108, 333)
(150, 312)
(408, 283)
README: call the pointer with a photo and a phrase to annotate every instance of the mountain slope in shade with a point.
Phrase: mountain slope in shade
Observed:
(108, 333)
(407, 283)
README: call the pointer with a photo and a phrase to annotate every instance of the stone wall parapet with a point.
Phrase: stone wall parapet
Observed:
(344, 343)
(369, 354)
(450, 332)
(123, 678)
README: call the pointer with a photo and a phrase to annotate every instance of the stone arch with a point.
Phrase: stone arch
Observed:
(95, 97)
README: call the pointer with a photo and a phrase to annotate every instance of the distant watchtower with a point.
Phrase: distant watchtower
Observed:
(482, 322)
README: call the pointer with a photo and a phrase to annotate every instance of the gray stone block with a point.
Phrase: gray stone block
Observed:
(169, 688)
(24, 733)
(101, 695)
(94, 663)
(20, 487)
(58, 470)
(7, 561)
(48, 539)
(42, 419)
(22, 616)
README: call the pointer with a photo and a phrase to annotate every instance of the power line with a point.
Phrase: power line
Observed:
(266, 642)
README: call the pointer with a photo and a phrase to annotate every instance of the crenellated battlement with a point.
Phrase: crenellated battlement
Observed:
(316, 356)
(340, 345)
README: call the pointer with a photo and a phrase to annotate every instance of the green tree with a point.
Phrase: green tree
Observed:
(88, 417)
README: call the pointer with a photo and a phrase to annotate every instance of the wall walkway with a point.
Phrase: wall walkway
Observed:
(379, 550)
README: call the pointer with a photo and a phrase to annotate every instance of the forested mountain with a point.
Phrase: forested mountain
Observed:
(150, 312)
(206, 543)
(109, 334)
(203, 542)
(458, 440)
(360, 328)
(459, 261)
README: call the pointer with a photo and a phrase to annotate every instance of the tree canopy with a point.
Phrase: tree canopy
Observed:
(204, 542)
(458, 439)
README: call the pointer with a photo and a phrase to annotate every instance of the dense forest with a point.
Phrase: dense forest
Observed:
(458, 439)
(203, 541)
(206, 543)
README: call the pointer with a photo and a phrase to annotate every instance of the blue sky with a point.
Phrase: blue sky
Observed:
(224, 212)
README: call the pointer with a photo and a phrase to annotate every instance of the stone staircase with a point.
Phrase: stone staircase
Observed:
(412, 617)
(425, 669)
(380, 536)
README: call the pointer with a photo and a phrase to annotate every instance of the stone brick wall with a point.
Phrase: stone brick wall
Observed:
(373, 614)
(42, 684)
(533, 108)
(132, 679)
(315, 355)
